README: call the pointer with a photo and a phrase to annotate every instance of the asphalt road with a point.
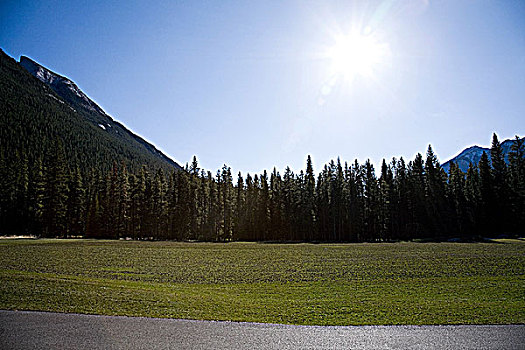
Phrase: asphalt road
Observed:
(42, 330)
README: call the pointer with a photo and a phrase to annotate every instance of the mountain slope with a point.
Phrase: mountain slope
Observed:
(36, 112)
(473, 155)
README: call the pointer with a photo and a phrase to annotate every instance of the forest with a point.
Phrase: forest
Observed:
(48, 196)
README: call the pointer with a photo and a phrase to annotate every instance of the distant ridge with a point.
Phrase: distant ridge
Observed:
(473, 155)
(52, 106)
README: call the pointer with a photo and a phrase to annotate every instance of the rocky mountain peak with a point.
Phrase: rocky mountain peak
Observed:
(41, 73)
(62, 85)
(473, 155)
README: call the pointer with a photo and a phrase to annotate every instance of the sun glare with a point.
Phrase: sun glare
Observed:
(356, 54)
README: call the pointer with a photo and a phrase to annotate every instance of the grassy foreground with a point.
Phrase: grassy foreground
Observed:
(347, 284)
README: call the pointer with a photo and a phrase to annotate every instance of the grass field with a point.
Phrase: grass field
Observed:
(347, 284)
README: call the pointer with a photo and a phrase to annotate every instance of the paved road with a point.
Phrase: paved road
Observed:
(40, 330)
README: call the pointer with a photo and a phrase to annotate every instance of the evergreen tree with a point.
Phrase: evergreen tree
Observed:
(323, 204)
(516, 180)
(240, 211)
(134, 207)
(76, 204)
(214, 210)
(336, 198)
(227, 204)
(487, 221)
(435, 194)
(370, 203)
(357, 201)
(276, 207)
(499, 185)
(418, 222)
(401, 200)
(309, 200)
(288, 194)
(457, 199)
(56, 197)
(264, 206)
(183, 207)
(111, 203)
(94, 226)
(36, 197)
(146, 204)
(473, 198)
(159, 207)
(203, 199)
(499, 168)
(385, 200)
(123, 202)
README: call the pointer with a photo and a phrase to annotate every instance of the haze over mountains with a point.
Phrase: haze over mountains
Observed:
(35, 112)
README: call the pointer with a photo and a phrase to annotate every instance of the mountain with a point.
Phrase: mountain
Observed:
(38, 107)
(64, 87)
(473, 155)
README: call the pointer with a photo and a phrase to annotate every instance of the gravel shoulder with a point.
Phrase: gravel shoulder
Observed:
(47, 330)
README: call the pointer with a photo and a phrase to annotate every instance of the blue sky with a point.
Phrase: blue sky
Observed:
(252, 83)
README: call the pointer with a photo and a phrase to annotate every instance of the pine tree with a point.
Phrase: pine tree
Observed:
(357, 194)
(111, 204)
(435, 195)
(202, 204)
(473, 199)
(516, 180)
(94, 227)
(370, 202)
(276, 207)
(336, 194)
(418, 222)
(401, 200)
(159, 212)
(499, 185)
(5, 174)
(264, 206)
(21, 196)
(134, 207)
(499, 168)
(240, 210)
(323, 204)
(225, 190)
(457, 199)
(194, 168)
(76, 204)
(55, 200)
(146, 204)
(214, 210)
(487, 221)
(385, 200)
(123, 202)
(309, 200)
(36, 197)
(183, 207)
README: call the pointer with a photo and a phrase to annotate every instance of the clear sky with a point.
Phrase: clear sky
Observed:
(258, 84)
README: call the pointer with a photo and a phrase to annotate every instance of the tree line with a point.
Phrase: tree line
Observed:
(50, 197)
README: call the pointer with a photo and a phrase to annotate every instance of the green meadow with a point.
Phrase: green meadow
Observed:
(307, 284)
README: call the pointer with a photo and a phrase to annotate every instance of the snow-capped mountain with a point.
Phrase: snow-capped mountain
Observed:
(473, 155)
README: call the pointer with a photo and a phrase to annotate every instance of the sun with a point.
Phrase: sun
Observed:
(356, 55)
